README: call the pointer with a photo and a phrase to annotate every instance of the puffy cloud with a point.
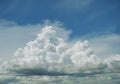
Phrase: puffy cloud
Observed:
(51, 50)
(52, 53)
(14, 35)
(113, 62)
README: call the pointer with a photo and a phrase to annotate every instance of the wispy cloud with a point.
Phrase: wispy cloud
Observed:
(13, 35)
(104, 44)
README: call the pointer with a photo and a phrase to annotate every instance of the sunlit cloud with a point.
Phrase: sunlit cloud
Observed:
(53, 53)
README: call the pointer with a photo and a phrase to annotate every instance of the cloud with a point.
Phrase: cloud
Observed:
(14, 35)
(53, 53)
(7, 80)
(105, 45)
(50, 50)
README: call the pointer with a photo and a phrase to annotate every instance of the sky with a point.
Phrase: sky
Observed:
(59, 41)
(82, 16)
(94, 20)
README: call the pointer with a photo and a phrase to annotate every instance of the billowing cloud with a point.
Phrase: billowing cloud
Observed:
(54, 54)
(14, 35)
(51, 53)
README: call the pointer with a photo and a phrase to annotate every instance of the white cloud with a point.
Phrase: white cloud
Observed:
(13, 35)
(106, 44)
(50, 49)
(53, 53)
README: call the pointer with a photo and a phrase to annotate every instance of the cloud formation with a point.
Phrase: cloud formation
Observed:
(52, 53)
(53, 57)
(105, 45)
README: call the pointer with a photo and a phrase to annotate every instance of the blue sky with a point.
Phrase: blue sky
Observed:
(81, 16)
(20, 19)
(90, 55)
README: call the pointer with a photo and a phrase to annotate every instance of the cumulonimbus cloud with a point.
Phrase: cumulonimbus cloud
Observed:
(52, 53)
